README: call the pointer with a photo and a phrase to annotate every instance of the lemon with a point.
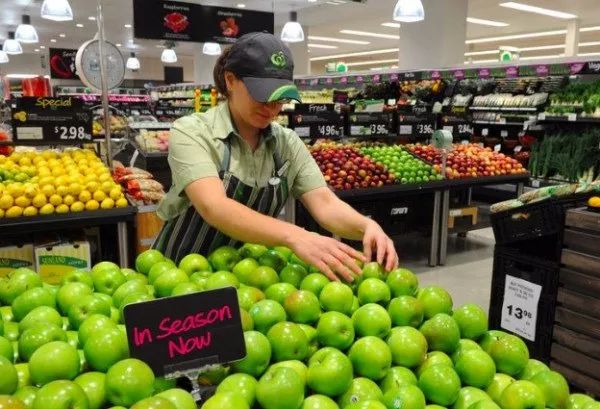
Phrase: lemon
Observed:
(58, 171)
(15, 189)
(122, 202)
(92, 205)
(92, 186)
(14, 211)
(1, 213)
(68, 200)
(61, 181)
(2, 187)
(48, 154)
(22, 201)
(62, 191)
(46, 180)
(104, 178)
(115, 193)
(30, 191)
(594, 202)
(6, 201)
(99, 196)
(46, 209)
(39, 200)
(55, 200)
(91, 177)
(84, 196)
(62, 208)
(75, 189)
(48, 190)
(30, 211)
(107, 203)
(77, 207)
(107, 187)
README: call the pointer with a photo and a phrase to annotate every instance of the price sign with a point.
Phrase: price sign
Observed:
(520, 305)
(328, 131)
(318, 124)
(47, 119)
(465, 131)
(424, 129)
(572, 117)
(371, 123)
(421, 126)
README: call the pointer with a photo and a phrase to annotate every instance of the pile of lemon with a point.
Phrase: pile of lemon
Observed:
(46, 182)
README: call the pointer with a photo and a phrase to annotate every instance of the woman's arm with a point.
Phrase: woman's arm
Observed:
(339, 218)
(244, 224)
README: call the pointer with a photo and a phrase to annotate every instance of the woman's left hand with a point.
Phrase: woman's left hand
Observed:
(376, 242)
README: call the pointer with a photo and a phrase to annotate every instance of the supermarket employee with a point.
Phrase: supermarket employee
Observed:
(233, 169)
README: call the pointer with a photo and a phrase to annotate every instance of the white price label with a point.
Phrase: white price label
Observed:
(518, 148)
(328, 130)
(406, 129)
(465, 128)
(497, 148)
(425, 129)
(449, 128)
(379, 129)
(303, 131)
(502, 121)
(504, 134)
(30, 133)
(520, 306)
(572, 117)
(535, 183)
(542, 116)
(485, 132)
(456, 213)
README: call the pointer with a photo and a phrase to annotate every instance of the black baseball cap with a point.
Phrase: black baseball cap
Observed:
(266, 66)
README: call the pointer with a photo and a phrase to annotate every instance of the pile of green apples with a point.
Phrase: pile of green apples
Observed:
(404, 167)
(380, 343)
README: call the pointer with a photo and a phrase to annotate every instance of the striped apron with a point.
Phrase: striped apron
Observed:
(189, 233)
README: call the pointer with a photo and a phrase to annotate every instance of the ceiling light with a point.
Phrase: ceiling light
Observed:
(579, 55)
(3, 56)
(211, 49)
(333, 3)
(391, 25)
(485, 61)
(132, 62)
(338, 40)
(371, 62)
(52, 40)
(516, 37)
(119, 45)
(586, 29)
(168, 55)
(127, 26)
(57, 10)
(79, 25)
(37, 50)
(241, 6)
(62, 35)
(369, 34)
(42, 47)
(537, 10)
(292, 30)
(536, 48)
(589, 44)
(483, 22)
(92, 18)
(541, 57)
(476, 53)
(26, 33)
(160, 46)
(12, 46)
(409, 11)
(21, 76)
(359, 54)
(312, 45)
(312, 1)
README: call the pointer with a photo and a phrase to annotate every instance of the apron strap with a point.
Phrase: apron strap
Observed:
(226, 155)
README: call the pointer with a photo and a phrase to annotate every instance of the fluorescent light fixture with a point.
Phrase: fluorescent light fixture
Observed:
(477, 53)
(127, 26)
(3, 56)
(579, 55)
(292, 30)
(338, 40)
(42, 47)
(21, 76)
(538, 10)
(369, 34)
(333, 3)
(536, 48)
(53, 40)
(79, 25)
(325, 46)
(57, 10)
(485, 61)
(391, 25)
(516, 37)
(359, 54)
(241, 6)
(132, 62)
(211, 49)
(483, 22)
(118, 44)
(168, 56)
(589, 44)
(37, 50)
(371, 62)
(376, 68)
(409, 11)
(12, 46)
(541, 57)
(92, 18)
(587, 29)
(62, 35)
(26, 33)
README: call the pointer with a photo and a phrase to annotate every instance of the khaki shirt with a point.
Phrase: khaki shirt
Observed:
(196, 148)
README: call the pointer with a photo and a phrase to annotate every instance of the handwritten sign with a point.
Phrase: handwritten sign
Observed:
(181, 333)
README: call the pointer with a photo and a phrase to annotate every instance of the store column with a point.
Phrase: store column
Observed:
(572, 38)
(203, 66)
(439, 40)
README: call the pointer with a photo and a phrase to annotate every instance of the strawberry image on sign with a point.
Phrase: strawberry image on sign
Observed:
(176, 22)
(229, 27)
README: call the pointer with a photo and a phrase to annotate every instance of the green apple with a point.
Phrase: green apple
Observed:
(510, 354)
(244, 269)
(361, 389)
(107, 280)
(311, 335)
(263, 277)
(131, 274)
(221, 279)
(298, 366)
(578, 401)
(592, 405)
(397, 377)
(288, 341)
(406, 310)
(469, 395)
(373, 290)
(408, 346)
(475, 368)
(186, 288)
(273, 259)
(405, 397)
(371, 319)
(335, 330)
(434, 358)
(497, 386)
(17, 282)
(314, 282)
(30, 299)
(11, 402)
(463, 346)
(279, 292)
(435, 300)
(293, 274)
(248, 296)
(484, 404)
(128, 381)
(78, 276)
(104, 265)
(60, 394)
(9, 380)
(471, 320)
(223, 400)
(329, 372)
(26, 395)
(180, 398)
(92, 384)
(266, 313)
(442, 333)
(105, 349)
(247, 321)
(258, 354)
(372, 270)
(40, 314)
(336, 296)
(6, 313)
(284, 252)
(522, 395)
(52, 361)
(302, 307)
(402, 282)
(133, 286)
(241, 384)
(86, 306)
(159, 268)
(371, 357)
(250, 250)
(294, 259)
(440, 384)
(319, 402)
(194, 263)
(366, 404)
(213, 374)
(168, 280)
(489, 338)
(154, 402)
(38, 335)
(162, 384)
(144, 261)
(71, 292)
(6, 349)
(134, 298)
(73, 338)
(554, 387)
(224, 258)
(280, 388)
(532, 368)
(355, 305)
(105, 297)
(200, 279)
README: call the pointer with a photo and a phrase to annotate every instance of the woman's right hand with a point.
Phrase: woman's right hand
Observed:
(334, 258)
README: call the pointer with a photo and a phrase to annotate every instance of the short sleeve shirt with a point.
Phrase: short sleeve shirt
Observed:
(196, 150)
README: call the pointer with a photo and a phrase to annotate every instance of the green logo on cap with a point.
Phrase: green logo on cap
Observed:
(279, 60)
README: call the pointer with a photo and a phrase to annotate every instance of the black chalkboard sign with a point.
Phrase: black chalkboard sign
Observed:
(178, 334)
(51, 119)
(320, 122)
(375, 124)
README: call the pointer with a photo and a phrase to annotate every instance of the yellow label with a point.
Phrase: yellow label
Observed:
(14, 257)
(54, 262)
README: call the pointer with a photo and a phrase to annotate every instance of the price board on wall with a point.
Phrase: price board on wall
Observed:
(51, 119)
(317, 121)
(418, 126)
(375, 124)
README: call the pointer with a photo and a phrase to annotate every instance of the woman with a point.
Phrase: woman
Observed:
(233, 169)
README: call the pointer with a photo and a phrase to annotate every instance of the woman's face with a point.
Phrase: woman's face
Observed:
(256, 114)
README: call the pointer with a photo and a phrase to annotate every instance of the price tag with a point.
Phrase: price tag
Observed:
(535, 183)
(572, 117)
(424, 129)
(464, 142)
(502, 121)
(518, 148)
(328, 131)
(406, 129)
(542, 116)
(456, 212)
(485, 132)
(504, 134)
(497, 148)
(520, 305)
(449, 128)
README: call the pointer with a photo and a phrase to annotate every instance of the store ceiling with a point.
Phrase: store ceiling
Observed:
(321, 19)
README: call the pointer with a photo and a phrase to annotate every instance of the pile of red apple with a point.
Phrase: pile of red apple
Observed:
(345, 168)
(469, 161)
(379, 343)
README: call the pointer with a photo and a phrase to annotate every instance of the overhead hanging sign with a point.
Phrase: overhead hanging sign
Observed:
(62, 63)
(178, 21)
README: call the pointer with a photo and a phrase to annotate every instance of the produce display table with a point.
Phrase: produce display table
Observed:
(118, 216)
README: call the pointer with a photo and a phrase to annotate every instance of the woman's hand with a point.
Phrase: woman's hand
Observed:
(375, 241)
(334, 258)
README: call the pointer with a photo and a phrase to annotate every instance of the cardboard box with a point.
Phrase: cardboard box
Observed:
(54, 259)
(12, 257)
